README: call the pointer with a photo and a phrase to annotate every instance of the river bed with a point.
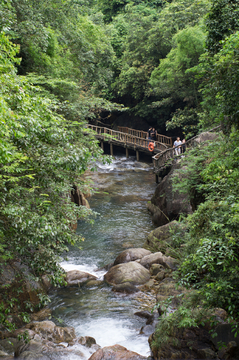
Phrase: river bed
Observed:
(122, 222)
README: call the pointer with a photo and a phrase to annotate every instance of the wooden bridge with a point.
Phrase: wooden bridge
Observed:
(130, 139)
(163, 153)
(166, 157)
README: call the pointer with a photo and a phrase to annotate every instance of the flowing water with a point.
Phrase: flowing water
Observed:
(122, 222)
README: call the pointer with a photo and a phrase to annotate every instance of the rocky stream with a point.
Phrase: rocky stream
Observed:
(123, 268)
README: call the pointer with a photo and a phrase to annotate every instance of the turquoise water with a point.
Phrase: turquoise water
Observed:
(125, 186)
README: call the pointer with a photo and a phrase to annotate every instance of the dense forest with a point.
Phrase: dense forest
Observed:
(171, 64)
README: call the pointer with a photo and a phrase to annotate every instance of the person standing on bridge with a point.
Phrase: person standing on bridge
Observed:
(149, 134)
(177, 146)
(153, 134)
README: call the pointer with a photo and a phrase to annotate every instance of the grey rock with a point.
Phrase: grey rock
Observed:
(131, 272)
(158, 258)
(76, 277)
(131, 255)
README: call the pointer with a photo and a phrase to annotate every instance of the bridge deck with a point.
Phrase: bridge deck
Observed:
(143, 134)
(164, 158)
(127, 139)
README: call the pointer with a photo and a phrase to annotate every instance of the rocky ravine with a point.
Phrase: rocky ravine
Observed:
(134, 271)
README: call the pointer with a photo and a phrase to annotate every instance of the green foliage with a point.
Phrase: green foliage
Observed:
(224, 81)
(136, 61)
(60, 40)
(112, 8)
(222, 21)
(7, 16)
(186, 119)
(209, 265)
(4, 318)
(143, 37)
(171, 79)
(42, 156)
(68, 43)
(211, 258)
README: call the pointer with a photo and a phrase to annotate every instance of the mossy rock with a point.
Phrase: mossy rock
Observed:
(161, 239)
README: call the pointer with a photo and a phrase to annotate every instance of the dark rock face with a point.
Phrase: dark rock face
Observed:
(192, 343)
(146, 315)
(17, 275)
(78, 198)
(131, 255)
(17, 281)
(116, 352)
(168, 287)
(166, 205)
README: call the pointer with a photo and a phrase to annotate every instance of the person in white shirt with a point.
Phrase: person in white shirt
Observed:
(177, 146)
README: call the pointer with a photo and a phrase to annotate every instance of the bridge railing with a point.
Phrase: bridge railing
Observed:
(161, 159)
(125, 138)
(143, 134)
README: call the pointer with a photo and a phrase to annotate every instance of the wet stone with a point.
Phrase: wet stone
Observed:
(127, 288)
(86, 341)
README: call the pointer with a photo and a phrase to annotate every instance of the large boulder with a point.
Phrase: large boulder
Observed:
(161, 238)
(15, 275)
(166, 205)
(76, 277)
(158, 258)
(131, 272)
(131, 255)
(48, 330)
(116, 352)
